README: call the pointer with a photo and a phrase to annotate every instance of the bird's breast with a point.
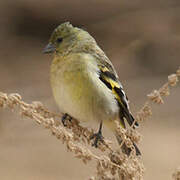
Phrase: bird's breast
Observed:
(79, 92)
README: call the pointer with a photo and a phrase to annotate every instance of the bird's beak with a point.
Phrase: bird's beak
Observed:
(49, 48)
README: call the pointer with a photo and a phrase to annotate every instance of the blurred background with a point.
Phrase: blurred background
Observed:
(142, 39)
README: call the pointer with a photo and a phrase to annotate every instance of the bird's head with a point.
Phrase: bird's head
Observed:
(62, 38)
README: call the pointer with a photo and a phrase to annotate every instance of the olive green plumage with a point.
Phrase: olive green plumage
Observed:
(84, 82)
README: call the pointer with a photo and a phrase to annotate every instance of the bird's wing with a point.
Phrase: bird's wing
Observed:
(109, 77)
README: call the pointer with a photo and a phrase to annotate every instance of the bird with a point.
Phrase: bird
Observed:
(85, 84)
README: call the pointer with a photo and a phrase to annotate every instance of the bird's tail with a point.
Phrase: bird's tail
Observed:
(125, 149)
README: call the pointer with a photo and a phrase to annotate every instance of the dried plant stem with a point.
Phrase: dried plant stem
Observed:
(156, 96)
(80, 133)
(35, 111)
(115, 165)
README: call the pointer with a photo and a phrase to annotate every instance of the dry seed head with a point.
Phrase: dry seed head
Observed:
(164, 90)
(13, 100)
(178, 72)
(144, 113)
(92, 178)
(172, 79)
(3, 99)
(134, 135)
(37, 104)
(155, 97)
(176, 174)
(117, 157)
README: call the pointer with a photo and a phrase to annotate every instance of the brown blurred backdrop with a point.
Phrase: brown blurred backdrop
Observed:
(140, 37)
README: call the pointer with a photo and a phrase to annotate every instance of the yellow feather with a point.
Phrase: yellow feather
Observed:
(114, 84)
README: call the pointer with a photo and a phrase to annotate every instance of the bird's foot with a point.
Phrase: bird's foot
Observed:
(64, 118)
(97, 137)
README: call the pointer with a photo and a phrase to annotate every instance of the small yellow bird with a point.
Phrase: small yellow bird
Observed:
(84, 82)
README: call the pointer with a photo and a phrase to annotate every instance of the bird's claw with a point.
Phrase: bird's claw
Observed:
(97, 137)
(64, 118)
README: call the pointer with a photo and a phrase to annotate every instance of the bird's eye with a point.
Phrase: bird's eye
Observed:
(59, 40)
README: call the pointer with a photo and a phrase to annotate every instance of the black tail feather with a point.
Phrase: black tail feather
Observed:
(130, 120)
(124, 112)
(125, 149)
